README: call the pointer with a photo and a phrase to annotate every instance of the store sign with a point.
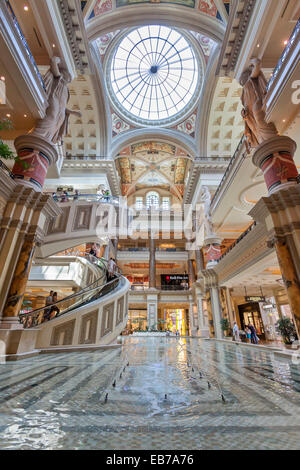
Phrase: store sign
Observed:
(255, 298)
(174, 277)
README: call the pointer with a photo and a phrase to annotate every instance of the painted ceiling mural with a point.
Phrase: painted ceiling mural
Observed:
(208, 7)
(153, 164)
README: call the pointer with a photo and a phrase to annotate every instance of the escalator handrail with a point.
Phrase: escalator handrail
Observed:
(34, 313)
(89, 288)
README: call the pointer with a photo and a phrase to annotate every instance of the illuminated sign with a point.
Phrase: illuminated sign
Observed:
(255, 298)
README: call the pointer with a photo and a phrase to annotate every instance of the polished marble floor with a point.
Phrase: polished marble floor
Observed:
(153, 393)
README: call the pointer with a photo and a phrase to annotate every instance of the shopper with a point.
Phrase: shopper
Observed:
(54, 309)
(248, 334)
(111, 267)
(48, 302)
(254, 338)
(236, 332)
(76, 195)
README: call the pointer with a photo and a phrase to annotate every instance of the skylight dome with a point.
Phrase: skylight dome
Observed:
(153, 75)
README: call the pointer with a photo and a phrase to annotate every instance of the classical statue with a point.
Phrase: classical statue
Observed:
(54, 126)
(206, 199)
(253, 81)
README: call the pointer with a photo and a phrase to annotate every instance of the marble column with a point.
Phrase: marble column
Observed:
(275, 157)
(199, 260)
(20, 278)
(231, 312)
(35, 155)
(152, 301)
(191, 271)
(152, 263)
(280, 211)
(289, 276)
(193, 323)
(116, 243)
(216, 311)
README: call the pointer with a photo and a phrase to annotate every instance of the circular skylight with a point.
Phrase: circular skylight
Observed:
(154, 74)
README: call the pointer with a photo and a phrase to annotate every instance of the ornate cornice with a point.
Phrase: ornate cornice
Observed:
(71, 16)
(239, 19)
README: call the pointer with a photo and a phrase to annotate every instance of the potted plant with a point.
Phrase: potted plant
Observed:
(5, 152)
(225, 325)
(287, 330)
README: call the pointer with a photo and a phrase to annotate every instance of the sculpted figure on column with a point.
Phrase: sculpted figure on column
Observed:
(206, 199)
(253, 81)
(54, 126)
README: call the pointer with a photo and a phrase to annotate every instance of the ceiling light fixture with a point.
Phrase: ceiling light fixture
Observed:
(8, 115)
(285, 42)
(26, 8)
(2, 78)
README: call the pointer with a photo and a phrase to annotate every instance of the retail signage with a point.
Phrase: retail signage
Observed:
(255, 298)
(175, 277)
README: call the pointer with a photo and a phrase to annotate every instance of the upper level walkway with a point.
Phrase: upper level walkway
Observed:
(92, 218)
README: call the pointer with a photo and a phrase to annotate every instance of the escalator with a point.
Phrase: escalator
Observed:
(88, 294)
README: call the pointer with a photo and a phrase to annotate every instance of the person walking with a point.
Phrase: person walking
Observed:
(248, 334)
(54, 309)
(236, 332)
(254, 338)
(111, 269)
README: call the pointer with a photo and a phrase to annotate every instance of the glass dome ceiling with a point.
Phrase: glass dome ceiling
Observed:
(153, 75)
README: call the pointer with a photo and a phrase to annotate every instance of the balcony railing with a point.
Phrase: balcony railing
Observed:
(22, 37)
(236, 153)
(86, 197)
(249, 229)
(285, 54)
(142, 288)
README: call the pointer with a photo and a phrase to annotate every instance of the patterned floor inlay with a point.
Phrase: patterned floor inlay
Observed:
(154, 393)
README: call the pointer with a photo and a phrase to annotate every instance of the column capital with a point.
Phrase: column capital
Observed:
(275, 157)
(281, 143)
(31, 141)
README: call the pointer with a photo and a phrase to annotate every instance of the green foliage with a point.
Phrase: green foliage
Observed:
(287, 330)
(225, 325)
(5, 152)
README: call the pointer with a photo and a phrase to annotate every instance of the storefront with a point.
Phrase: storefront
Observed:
(175, 320)
(174, 281)
(250, 314)
(137, 319)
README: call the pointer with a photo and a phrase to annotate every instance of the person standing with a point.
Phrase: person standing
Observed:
(236, 332)
(248, 334)
(254, 339)
(111, 269)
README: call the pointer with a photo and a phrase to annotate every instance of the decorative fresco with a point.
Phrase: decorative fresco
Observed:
(208, 7)
(102, 6)
(186, 3)
(118, 125)
(188, 126)
(104, 41)
(153, 147)
(153, 164)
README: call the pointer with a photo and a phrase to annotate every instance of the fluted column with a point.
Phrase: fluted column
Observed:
(289, 276)
(191, 271)
(152, 263)
(116, 243)
(199, 260)
(20, 278)
(280, 211)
